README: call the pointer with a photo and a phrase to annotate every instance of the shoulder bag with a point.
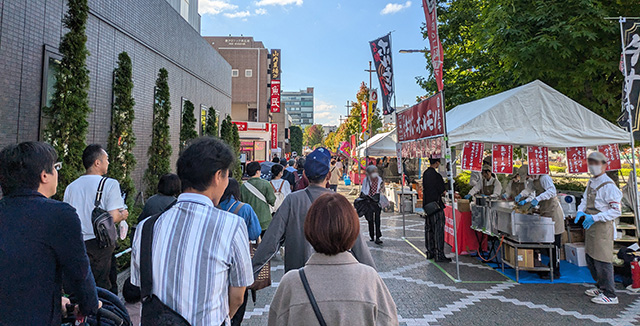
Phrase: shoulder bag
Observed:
(311, 297)
(103, 226)
(154, 311)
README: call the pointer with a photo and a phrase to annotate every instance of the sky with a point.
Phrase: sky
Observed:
(325, 45)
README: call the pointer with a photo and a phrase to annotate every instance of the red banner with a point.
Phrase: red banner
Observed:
(502, 159)
(275, 96)
(274, 136)
(251, 126)
(430, 12)
(613, 156)
(538, 158)
(365, 116)
(576, 159)
(472, 156)
(422, 120)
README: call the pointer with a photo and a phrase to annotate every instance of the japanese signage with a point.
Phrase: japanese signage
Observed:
(251, 126)
(472, 156)
(576, 159)
(365, 117)
(431, 147)
(538, 158)
(422, 120)
(275, 64)
(613, 156)
(373, 102)
(631, 89)
(502, 159)
(274, 136)
(399, 157)
(381, 51)
(430, 12)
(275, 96)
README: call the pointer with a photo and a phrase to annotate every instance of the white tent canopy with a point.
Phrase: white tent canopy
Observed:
(383, 144)
(532, 114)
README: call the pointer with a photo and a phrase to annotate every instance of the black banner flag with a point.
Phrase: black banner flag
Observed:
(381, 51)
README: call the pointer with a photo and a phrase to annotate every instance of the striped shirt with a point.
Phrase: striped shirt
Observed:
(199, 251)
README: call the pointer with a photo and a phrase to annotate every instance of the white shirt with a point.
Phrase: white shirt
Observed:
(549, 189)
(607, 199)
(198, 252)
(497, 186)
(366, 185)
(475, 178)
(81, 194)
(286, 188)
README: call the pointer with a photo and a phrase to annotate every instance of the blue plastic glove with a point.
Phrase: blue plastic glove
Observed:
(522, 202)
(534, 203)
(467, 196)
(588, 221)
(578, 216)
(518, 197)
(504, 196)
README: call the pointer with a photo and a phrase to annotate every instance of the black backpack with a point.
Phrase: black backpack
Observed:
(103, 226)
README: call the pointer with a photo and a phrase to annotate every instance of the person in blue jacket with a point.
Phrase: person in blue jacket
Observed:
(230, 202)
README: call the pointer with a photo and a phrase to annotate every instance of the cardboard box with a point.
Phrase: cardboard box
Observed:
(463, 205)
(575, 254)
(525, 257)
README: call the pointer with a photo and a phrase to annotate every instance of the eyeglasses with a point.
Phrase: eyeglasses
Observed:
(57, 166)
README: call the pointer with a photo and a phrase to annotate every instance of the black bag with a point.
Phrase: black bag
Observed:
(103, 226)
(432, 208)
(154, 311)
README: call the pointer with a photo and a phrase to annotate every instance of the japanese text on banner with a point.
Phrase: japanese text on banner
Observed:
(613, 156)
(381, 51)
(502, 159)
(430, 12)
(576, 159)
(472, 156)
(274, 136)
(422, 120)
(538, 158)
(365, 117)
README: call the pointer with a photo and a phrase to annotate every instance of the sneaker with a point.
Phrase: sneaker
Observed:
(603, 299)
(631, 288)
(593, 292)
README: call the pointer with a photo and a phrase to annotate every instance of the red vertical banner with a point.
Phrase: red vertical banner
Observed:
(613, 156)
(576, 159)
(431, 15)
(538, 157)
(275, 96)
(472, 156)
(274, 136)
(502, 159)
(365, 117)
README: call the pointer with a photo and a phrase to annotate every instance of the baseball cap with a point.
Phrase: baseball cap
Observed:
(317, 164)
(597, 156)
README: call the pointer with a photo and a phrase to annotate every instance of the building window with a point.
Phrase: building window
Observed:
(50, 64)
(248, 73)
(184, 9)
(253, 115)
(234, 73)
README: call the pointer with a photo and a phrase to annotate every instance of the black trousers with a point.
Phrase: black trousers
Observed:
(434, 233)
(555, 253)
(100, 260)
(239, 316)
(374, 223)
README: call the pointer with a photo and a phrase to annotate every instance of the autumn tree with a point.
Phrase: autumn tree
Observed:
(313, 135)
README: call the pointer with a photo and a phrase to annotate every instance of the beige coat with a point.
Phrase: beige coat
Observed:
(347, 292)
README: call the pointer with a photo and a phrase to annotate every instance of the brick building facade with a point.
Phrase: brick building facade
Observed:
(153, 33)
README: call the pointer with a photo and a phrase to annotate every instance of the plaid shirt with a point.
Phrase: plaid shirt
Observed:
(198, 252)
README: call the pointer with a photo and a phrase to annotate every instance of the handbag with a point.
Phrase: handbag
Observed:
(432, 208)
(103, 226)
(312, 299)
(154, 311)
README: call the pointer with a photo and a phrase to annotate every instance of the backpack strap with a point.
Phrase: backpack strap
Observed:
(281, 184)
(146, 244)
(306, 191)
(311, 297)
(99, 193)
(240, 204)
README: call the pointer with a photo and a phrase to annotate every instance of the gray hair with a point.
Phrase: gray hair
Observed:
(371, 169)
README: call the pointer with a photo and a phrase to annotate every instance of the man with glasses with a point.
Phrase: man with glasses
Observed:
(40, 241)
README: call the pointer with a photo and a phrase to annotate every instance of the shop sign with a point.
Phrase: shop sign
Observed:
(613, 156)
(502, 159)
(472, 156)
(538, 157)
(576, 159)
(274, 136)
(422, 120)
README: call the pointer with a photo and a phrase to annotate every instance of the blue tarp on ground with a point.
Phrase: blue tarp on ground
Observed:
(570, 274)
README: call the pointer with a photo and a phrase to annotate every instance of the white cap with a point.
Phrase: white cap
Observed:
(597, 156)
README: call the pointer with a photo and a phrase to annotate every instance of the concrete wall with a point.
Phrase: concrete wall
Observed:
(30, 28)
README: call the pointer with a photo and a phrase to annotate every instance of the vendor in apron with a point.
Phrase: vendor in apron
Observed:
(517, 183)
(540, 191)
(489, 186)
(600, 206)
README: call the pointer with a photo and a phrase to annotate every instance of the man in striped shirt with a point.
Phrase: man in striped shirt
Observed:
(200, 254)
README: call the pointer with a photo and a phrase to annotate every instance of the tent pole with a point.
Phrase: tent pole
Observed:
(636, 204)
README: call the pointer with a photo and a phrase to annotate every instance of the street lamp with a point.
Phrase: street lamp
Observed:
(413, 51)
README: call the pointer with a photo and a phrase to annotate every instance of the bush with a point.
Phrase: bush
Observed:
(160, 149)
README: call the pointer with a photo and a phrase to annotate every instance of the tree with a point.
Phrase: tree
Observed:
(121, 138)
(330, 143)
(211, 126)
(230, 135)
(313, 135)
(493, 46)
(69, 108)
(353, 124)
(160, 150)
(188, 126)
(296, 139)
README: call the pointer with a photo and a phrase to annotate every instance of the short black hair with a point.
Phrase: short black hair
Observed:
(292, 162)
(253, 168)
(169, 185)
(301, 162)
(434, 160)
(21, 165)
(233, 189)
(199, 162)
(91, 154)
(276, 169)
(317, 180)
(283, 161)
(275, 159)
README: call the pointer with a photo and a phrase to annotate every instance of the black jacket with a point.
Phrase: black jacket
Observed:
(432, 187)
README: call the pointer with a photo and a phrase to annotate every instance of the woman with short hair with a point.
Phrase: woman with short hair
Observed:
(345, 291)
(169, 187)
